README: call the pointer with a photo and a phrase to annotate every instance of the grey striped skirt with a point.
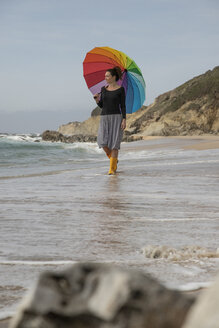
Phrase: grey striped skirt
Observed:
(110, 132)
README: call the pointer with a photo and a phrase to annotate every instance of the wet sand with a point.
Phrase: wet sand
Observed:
(137, 173)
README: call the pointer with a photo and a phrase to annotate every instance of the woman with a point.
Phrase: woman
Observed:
(113, 116)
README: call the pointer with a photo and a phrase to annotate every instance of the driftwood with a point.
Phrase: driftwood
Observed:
(101, 295)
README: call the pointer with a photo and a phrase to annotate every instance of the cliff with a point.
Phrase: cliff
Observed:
(190, 109)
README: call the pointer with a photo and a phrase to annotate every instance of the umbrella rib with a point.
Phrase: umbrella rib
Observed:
(109, 60)
(140, 87)
(112, 52)
(136, 90)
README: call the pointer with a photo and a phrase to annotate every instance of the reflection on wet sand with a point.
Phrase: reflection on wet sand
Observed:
(162, 196)
(112, 232)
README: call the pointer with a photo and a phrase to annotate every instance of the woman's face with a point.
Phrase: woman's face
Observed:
(109, 78)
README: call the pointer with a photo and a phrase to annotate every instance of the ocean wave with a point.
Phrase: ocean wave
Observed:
(179, 254)
(21, 137)
(84, 146)
(34, 141)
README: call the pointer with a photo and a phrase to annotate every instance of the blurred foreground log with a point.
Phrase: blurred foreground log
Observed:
(101, 295)
(205, 312)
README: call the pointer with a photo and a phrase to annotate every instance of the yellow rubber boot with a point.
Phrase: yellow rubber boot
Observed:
(113, 165)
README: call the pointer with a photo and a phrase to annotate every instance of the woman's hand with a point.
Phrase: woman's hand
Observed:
(123, 124)
(97, 97)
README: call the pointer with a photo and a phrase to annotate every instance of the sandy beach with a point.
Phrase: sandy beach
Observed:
(171, 190)
(202, 142)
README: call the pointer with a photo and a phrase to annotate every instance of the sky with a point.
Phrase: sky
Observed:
(43, 44)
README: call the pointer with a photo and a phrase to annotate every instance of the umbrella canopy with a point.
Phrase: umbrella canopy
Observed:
(100, 59)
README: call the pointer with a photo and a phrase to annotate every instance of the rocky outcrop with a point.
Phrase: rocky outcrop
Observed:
(86, 128)
(55, 136)
(101, 295)
(190, 109)
(96, 111)
(205, 312)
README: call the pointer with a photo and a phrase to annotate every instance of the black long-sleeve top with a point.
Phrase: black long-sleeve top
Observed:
(112, 102)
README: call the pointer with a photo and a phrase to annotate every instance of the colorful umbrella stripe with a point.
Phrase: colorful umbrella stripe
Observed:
(95, 65)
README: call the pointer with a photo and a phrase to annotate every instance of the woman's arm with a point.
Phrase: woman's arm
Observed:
(123, 106)
(123, 124)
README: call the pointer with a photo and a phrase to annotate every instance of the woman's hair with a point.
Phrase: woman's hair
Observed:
(116, 71)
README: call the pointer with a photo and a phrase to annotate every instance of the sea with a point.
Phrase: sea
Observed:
(58, 206)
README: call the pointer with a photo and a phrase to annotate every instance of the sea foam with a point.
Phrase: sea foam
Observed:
(179, 254)
(89, 147)
(21, 137)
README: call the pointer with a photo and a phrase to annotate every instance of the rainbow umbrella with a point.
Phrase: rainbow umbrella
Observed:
(99, 59)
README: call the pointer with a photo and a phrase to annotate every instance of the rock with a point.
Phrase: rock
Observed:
(154, 129)
(215, 123)
(55, 136)
(80, 138)
(205, 312)
(96, 111)
(101, 295)
(88, 127)
(130, 138)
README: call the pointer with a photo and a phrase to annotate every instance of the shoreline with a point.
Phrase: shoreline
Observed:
(196, 142)
(193, 142)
